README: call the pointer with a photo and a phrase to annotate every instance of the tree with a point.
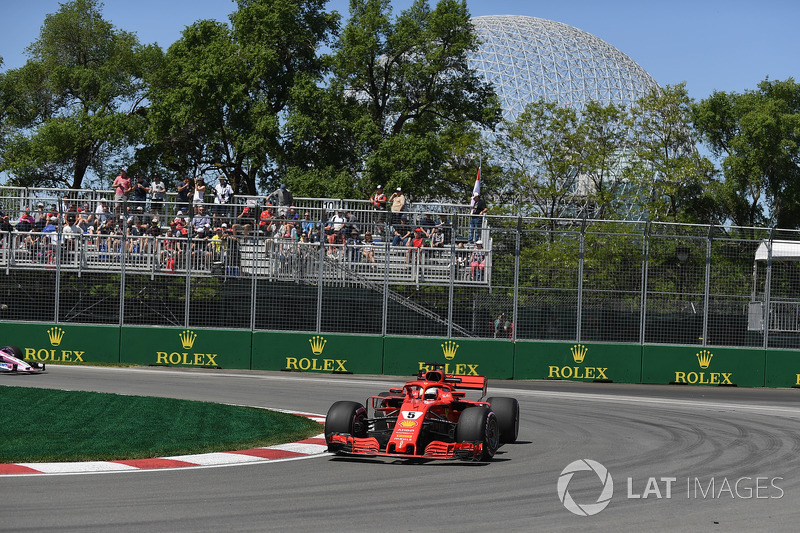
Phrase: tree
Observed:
(665, 166)
(542, 153)
(410, 94)
(74, 107)
(225, 92)
(757, 136)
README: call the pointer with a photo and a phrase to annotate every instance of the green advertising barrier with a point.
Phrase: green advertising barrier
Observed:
(698, 365)
(193, 347)
(783, 368)
(313, 352)
(620, 363)
(405, 356)
(63, 343)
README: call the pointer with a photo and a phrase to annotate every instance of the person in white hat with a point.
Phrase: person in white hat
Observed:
(398, 204)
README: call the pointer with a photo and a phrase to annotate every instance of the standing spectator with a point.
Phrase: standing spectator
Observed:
(378, 201)
(281, 197)
(185, 191)
(223, 193)
(122, 188)
(398, 201)
(478, 210)
(199, 195)
(158, 193)
(140, 188)
(38, 213)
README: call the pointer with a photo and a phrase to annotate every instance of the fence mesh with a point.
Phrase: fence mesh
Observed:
(528, 279)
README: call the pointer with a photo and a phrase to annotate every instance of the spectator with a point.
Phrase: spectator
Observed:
(281, 197)
(38, 213)
(378, 201)
(335, 223)
(398, 201)
(266, 224)
(307, 226)
(503, 327)
(293, 215)
(26, 221)
(417, 243)
(101, 212)
(199, 195)
(122, 188)
(350, 223)
(223, 193)
(402, 233)
(158, 193)
(437, 238)
(427, 223)
(185, 192)
(367, 252)
(477, 262)
(246, 219)
(478, 210)
(336, 242)
(140, 189)
(353, 246)
(201, 219)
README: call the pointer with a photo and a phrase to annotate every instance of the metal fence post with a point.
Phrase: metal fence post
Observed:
(768, 288)
(645, 256)
(581, 250)
(515, 304)
(321, 272)
(707, 292)
(385, 302)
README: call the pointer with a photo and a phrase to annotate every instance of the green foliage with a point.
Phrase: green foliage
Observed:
(757, 136)
(409, 94)
(73, 107)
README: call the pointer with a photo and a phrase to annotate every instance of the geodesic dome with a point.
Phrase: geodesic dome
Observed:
(528, 59)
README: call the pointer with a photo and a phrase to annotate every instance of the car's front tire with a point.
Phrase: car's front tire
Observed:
(479, 424)
(345, 417)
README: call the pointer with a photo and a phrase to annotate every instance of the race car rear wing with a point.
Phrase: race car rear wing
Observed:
(457, 380)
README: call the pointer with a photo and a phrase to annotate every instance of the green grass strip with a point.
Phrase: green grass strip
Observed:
(43, 425)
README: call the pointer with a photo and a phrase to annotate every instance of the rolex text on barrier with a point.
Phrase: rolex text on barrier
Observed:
(407, 355)
(315, 352)
(578, 361)
(190, 347)
(697, 365)
(63, 343)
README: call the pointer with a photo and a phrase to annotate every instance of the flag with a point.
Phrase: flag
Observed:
(477, 188)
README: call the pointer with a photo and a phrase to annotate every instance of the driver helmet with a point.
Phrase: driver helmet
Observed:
(431, 393)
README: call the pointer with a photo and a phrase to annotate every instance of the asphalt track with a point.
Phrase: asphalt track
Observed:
(729, 458)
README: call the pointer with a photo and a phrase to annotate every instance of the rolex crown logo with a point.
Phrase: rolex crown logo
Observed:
(579, 352)
(449, 349)
(55, 334)
(317, 344)
(704, 358)
(187, 338)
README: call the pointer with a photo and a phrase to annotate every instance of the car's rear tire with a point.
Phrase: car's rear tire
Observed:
(345, 417)
(16, 351)
(479, 424)
(507, 411)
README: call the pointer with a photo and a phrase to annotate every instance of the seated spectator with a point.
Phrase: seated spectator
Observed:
(26, 221)
(417, 243)
(477, 262)
(437, 238)
(353, 244)
(336, 243)
(446, 226)
(367, 253)
(402, 233)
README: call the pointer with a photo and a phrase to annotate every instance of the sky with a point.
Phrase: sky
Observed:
(712, 45)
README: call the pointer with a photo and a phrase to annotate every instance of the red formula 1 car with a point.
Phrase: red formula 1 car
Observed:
(429, 418)
(13, 360)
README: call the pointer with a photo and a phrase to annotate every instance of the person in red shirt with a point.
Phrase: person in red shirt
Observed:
(122, 187)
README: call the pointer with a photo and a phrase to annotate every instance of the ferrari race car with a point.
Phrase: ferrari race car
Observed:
(12, 360)
(428, 418)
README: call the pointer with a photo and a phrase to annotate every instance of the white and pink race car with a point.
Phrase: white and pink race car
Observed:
(12, 360)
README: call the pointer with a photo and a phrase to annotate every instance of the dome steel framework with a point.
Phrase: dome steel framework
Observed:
(528, 59)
